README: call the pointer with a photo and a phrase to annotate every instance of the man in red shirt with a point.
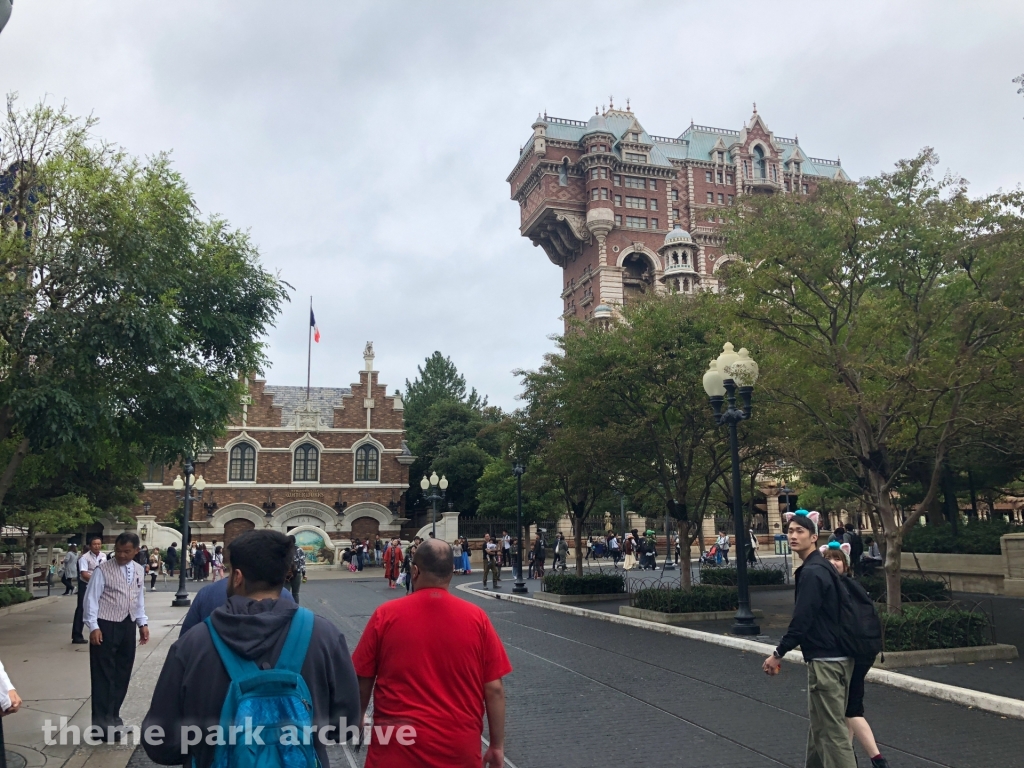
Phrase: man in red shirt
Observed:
(433, 663)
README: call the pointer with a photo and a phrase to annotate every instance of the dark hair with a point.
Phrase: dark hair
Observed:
(93, 537)
(436, 558)
(126, 538)
(264, 557)
(849, 527)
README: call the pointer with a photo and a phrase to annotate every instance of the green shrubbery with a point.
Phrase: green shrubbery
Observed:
(590, 584)
(698, 599)
(923, 627)
(978, 537)
(12, 595)
(756, 577)
(913, 590)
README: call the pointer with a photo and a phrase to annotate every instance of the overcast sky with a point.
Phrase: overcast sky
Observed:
(366, 144)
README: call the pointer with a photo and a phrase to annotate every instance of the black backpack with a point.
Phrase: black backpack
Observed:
(860, 629)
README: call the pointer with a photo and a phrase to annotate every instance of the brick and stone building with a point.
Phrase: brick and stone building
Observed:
(331, 466)
(625, 213)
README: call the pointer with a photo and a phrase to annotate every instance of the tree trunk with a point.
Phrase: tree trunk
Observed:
(685, 562)
(30, 557)
(577, 534)
(893, 553)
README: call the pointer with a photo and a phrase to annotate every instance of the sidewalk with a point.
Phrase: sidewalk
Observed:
(52, 676)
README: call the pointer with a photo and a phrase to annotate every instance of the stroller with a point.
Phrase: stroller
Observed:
(710, 558)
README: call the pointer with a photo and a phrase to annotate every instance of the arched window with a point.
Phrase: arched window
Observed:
(243, 462)
(563, 173)
(760, 165)
(366, 463)
(306, 466)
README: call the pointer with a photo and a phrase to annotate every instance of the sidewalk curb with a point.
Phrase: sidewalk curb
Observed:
(29, 605)
(966, 697)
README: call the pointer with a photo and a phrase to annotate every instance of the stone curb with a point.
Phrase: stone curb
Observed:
(29, 605)
(1000, 705)
(564, 599)
(679, 618)
(994, 652)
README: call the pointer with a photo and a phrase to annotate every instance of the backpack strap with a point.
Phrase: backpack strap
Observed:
(236, 666)
(293, 654)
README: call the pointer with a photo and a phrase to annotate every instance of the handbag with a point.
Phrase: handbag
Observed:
(401, 579)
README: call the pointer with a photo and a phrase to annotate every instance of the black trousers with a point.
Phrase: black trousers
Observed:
(3, 755)
(79, 623)
(110, 669)
(294, 586)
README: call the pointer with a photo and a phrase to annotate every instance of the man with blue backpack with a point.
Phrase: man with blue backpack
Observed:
(261, 683)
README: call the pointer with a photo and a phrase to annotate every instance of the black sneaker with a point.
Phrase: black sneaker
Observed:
(79, 641)
(879, 762)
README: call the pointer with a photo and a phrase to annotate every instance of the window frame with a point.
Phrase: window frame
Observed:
(632, 222)
(366, 448)
(305, 449)
(241, 447)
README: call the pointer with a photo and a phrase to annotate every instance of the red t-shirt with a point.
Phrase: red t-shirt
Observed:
(431, 653)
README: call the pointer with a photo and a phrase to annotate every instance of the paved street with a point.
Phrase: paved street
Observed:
(590, 694)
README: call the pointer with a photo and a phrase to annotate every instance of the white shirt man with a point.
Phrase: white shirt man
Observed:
(90, 560)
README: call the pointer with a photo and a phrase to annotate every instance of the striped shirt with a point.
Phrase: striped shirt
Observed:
(89, 562)
(116, 593)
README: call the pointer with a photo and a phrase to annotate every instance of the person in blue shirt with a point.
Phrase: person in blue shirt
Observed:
(211, 597)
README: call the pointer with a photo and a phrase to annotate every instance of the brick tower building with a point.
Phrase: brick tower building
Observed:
(332, 466)
(625, 213)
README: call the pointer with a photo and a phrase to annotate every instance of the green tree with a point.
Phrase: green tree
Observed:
(496, 492)
(451, 431)
(890, 312)
(125, 317)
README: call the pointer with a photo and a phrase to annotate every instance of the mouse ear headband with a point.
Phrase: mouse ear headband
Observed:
(804, 519)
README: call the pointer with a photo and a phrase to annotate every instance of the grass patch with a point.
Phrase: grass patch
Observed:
(12, 595)
(589, 584)
(978, 537)
(700, 598)
(756, 577)
(914, 590)
(922, 627)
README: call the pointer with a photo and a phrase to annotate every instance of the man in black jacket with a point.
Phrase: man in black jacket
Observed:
(815, 628)
(254, 624)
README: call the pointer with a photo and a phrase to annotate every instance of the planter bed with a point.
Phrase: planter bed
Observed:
(551, 597)
(901, 659)
(678, 618)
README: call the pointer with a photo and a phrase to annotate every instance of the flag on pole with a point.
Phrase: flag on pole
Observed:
(313, 325)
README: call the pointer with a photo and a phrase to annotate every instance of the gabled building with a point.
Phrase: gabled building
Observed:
(625, 213)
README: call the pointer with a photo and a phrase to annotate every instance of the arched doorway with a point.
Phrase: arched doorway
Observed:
(365, 528)
(236, 527)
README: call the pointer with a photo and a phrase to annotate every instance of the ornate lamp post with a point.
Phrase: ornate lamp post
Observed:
(5, 13)
(520, 586)
(183, 493)
(432, 485)
(734, 371)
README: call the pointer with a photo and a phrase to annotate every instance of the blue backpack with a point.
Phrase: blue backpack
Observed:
(270, 699)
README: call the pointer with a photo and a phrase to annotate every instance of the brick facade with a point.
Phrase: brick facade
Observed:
(625, 213)
(275, 422)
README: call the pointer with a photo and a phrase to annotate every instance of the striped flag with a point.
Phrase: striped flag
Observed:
(313, 325)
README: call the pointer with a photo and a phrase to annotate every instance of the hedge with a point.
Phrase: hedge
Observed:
(698, 599)
(590, 584)
(978, 537)
(923, 627)
(756, 577)
(11, 595)
(914, 590)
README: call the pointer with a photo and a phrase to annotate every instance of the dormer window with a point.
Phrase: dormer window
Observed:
(721, 157)
(634, 137)
(796, 167)
(760, 164)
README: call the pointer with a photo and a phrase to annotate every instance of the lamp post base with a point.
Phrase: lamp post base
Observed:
(181, 602)
(745, 627)
(520, 588)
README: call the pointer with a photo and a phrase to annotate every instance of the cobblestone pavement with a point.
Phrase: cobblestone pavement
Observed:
(590, 694)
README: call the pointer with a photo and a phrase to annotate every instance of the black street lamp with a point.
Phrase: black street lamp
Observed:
(432, 485)
(732, 371)
(519, 587)
(5, 12)
(183, 493)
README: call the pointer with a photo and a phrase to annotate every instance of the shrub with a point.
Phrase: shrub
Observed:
(11, 595)
(978, 537)
(697, 599)
(590, 584)
(756, 577)
(914, 590)
(922, 627)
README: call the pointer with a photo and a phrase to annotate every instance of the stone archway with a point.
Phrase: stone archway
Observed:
(236, 527)
(365, 528)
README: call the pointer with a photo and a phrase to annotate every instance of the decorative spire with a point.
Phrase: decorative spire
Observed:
(627, 105)
(611, 102)
(755, 107)
(595, 110)
(545, 113)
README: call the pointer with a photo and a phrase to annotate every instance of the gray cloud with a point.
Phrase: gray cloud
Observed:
(366, 145)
